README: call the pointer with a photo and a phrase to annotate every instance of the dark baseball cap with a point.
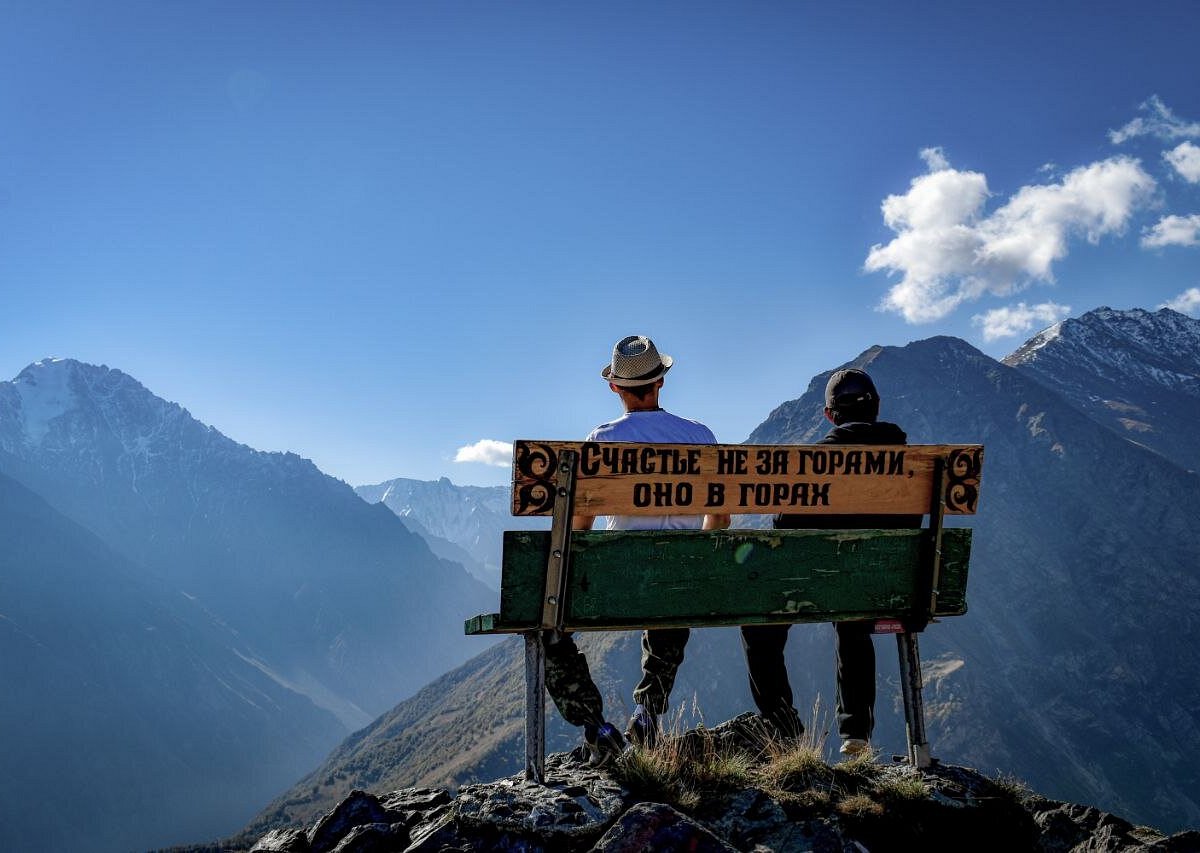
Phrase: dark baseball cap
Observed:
(848, 388)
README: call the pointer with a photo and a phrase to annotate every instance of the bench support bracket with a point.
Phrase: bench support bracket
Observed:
(554, 591)
(911, 682)
(914, 705)
(535, 707)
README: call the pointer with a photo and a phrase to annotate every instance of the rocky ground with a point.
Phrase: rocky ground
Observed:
(719, 790)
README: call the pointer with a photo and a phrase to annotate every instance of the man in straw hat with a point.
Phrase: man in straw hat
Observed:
(635, 374)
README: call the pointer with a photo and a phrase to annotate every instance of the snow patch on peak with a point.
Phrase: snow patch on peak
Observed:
(46, 392)
(1109, 315)
(1116, 342)
(56, 366)
(1042, 338)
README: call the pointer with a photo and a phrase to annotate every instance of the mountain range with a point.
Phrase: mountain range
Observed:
(1072, 669)
(1135, 372)
(460, 523)
(187, 623)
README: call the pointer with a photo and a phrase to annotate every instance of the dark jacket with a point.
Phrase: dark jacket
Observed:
(879, 432)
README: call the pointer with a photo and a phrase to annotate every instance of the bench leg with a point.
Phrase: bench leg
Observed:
(911, 687)
(535, 707)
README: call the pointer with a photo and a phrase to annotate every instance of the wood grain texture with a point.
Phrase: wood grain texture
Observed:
(641, 579)
(680, 479)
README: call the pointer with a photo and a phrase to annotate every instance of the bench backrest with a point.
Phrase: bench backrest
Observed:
(613, 478)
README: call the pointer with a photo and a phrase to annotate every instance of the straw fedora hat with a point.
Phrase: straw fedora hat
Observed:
(636, 361)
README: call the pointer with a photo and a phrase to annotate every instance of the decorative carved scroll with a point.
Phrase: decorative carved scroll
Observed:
(535, 465)
(963, 467)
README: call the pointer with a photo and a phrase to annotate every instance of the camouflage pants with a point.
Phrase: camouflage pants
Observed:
(662, 653)
(569, 681)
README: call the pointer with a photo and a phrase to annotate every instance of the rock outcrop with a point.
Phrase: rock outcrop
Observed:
(752, 798)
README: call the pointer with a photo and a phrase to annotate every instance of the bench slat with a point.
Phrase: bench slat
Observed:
(729, 577)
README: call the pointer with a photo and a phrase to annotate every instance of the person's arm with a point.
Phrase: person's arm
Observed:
(715, 522)
(582, 522)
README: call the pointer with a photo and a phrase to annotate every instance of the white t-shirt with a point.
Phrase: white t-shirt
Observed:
(653, 427)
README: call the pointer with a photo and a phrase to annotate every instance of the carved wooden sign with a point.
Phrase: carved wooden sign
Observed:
(618, 478)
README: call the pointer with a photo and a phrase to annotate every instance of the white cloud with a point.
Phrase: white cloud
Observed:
(486, 451)
(1187, 302)
(1173, 231)
(1015, 319)
(1185, 158)
(949, 252)
(1160, 121)
(935, 158)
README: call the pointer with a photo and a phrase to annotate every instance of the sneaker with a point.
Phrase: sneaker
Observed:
(852, 747)
(604, 743)
(642, 730)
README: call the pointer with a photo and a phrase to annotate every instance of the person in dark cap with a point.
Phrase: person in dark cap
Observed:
(635, 374)
(852, 405)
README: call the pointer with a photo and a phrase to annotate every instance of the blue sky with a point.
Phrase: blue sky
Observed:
(375, 233)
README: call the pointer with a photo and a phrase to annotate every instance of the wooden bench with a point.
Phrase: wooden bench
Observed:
(616, 580)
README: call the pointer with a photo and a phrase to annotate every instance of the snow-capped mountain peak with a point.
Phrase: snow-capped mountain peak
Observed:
(99, 422)
(68, 415)
(45, 393)
(1136, 371)
(1159, 348)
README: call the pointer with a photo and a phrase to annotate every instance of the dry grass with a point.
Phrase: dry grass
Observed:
(860, 768)
(683, 768)
(669, 775)
(655, 774)
(687, 766)
(790, 771)
(725, 771)
(810, 799)
(901, 784)
(1013, 788)
(859, 805)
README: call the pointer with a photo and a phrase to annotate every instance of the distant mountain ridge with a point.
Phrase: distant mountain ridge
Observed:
(471, 518)
(1071, 669)
(1136, 372)
(333, 601)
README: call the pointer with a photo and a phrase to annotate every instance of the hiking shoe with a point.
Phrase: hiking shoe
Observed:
(642, 730)
(852, 747)
(604, 743)
(785, 727)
